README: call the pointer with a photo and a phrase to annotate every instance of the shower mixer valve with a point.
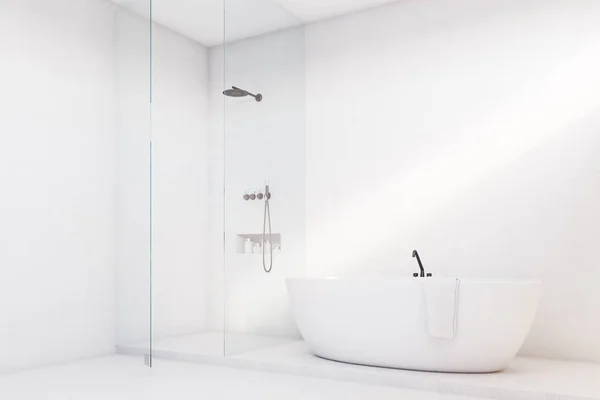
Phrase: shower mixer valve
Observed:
(267, 240)
(257, 196)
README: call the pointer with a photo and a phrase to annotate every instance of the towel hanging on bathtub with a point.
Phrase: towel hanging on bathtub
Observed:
(441, 306)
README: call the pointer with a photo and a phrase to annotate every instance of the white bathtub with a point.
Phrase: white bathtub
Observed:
(383, 323)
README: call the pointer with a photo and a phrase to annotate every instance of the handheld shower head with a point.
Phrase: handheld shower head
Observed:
(237, 92)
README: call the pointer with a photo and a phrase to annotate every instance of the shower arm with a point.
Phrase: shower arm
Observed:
(249, 94)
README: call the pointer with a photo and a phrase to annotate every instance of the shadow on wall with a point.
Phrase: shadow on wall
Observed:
(497, 141)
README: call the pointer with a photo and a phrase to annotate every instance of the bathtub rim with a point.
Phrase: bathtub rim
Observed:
(512, 281)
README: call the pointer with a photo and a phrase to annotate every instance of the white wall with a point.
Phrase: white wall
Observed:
(132, 234)
(466, 130)
(179, 133)
(180, 183)
(57, 173)
(470, 131)
(215, 294)
(75, 173)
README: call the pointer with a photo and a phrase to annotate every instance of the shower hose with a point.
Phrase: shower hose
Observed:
(267, 218)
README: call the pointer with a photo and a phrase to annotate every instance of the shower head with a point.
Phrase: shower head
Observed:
(237, 92)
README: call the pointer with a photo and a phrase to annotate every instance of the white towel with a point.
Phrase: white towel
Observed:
(441, 305)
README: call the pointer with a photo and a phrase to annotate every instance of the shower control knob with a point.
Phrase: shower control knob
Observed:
(268, 195)
(260, 196)
(246, 197)
(253, 196)
(416, 274)
(429, 274)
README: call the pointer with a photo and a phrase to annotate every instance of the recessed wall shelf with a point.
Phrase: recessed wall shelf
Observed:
(257, 238)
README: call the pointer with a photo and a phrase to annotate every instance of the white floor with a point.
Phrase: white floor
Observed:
(126, 378)
(208, 344)
(526, 379)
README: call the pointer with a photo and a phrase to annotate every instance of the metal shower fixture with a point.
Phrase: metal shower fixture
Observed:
(237, 92)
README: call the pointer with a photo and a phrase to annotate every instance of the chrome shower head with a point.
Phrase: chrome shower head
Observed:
(237, 92)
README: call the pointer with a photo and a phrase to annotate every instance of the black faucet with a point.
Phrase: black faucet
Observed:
(422, 274)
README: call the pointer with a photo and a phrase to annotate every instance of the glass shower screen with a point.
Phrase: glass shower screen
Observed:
(132, 44)
(263, 144)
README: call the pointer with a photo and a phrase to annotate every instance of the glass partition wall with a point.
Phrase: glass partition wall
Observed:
(264, 158)
(132, 52)
(211, 188)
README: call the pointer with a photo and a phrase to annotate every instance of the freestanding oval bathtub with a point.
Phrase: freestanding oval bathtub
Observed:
(383, 323)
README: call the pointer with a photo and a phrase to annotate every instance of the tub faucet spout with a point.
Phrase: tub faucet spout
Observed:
(415, 254)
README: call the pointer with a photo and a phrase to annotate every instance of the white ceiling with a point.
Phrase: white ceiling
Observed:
(211, 22)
